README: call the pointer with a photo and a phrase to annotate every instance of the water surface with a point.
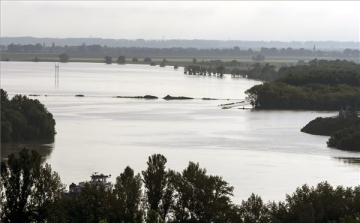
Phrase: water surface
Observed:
(255, 151)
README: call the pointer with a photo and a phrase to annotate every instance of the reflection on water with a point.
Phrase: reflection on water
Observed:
(349, 160)
(255, 151)
(45, 148)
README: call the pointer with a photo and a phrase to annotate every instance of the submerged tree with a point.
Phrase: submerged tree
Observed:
(121, 60)
(64, 57)
(108, 60)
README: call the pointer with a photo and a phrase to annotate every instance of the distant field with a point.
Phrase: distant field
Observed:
(180, 61)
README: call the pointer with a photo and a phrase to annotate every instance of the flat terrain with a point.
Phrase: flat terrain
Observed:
(171, 61)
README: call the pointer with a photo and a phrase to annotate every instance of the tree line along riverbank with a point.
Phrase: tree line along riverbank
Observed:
(34, 193)
(344, 132)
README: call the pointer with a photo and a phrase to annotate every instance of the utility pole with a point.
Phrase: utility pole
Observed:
(57, 66)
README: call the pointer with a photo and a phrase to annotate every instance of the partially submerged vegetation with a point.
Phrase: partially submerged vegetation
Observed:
(168, 97)
(328, 126)
(344, 132)
(321, 85)
(346, 139)
(160, 195)
(25, 119)
(144, 97)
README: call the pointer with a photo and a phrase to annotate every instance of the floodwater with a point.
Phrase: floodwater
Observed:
(262, 152)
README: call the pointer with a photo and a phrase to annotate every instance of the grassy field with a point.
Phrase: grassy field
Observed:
(171, 61)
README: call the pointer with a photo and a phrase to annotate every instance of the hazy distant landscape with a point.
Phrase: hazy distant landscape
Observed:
(180, 112)
(183, 43)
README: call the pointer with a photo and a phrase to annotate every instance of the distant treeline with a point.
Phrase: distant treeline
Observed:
(35, 193)
(178, 51)
(321, 85)
(169, 43)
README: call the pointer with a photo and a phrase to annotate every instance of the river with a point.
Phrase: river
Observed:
(259, 151)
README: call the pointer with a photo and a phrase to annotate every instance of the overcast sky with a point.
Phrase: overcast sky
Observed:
(234, 20)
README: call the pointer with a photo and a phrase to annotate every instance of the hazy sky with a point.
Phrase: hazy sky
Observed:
(235, 20)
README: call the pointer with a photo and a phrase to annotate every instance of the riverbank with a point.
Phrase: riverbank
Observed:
(344, 132)
(170, 61)
(328, 126)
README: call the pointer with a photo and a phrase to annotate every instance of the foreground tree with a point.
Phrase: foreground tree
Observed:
(158, 190)
(254, 210)
(128, 194)
(92, 205)
(200, 197)
(30, 190)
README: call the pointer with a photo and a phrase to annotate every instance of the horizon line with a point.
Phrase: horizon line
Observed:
(229, 40)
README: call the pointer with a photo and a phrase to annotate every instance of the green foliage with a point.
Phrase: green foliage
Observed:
(322, 72)
(121, 60)
(254, 210)
(128, 195)
(346, 139)
(92, 205)
(278, 95)
(258, 57)
(64, 57)
(147, 59)
(201, 198)
(324, 85)
(157, 186)
(108, 60)
(154, 217)
(266, 73)
(198, 70)
(25, 119)
(321, 204)
(31, 191)
(328, 126)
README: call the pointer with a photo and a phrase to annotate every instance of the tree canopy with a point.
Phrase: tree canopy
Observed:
(31, 191)
(108, 60)
(64, 57)
(34, 193)
(321, 85)
(121, 60)
(25, 119)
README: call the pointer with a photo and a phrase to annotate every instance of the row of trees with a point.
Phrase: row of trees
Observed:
(34, 193)
(179, 51)
(322, 85)
(25, 119)
(199, 70)
(278, 95)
